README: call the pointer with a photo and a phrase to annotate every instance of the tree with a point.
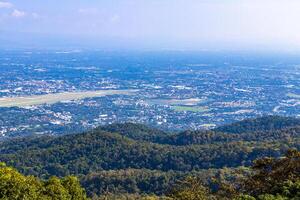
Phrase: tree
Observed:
(72, 185)
(15, 186)
(190, 189)
(271, 175)
(53, 189)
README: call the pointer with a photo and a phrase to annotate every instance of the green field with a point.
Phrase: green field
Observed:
(58, 97)
(174, 102)
(292, 95)
(190, 108)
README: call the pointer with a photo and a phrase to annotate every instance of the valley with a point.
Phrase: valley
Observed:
(48, 92)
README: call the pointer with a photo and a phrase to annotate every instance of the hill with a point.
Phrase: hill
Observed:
(133, 158)
(98, 150)
(263, 128)
(266, 123)
(136, 131)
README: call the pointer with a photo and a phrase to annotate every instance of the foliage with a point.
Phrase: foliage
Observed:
(130, 197)
(273, 176)
(190, 189)
(98, 150)
(15, 186)
(132, 159)
(136, 131)
(265, 123)
(273, 179)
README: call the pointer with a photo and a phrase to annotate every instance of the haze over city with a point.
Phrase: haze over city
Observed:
(144, 24)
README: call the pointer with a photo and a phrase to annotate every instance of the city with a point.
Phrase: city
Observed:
(173, 91)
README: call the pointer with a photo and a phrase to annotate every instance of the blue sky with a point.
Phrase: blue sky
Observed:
(154, 24)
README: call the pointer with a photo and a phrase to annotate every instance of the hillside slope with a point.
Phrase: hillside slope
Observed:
(265, 123)
(157, 156)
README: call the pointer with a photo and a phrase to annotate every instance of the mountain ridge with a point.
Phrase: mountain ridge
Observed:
(159, 157)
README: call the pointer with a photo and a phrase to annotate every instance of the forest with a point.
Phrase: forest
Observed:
(251, 159)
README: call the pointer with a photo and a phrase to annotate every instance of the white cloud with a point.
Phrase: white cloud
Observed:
(18, 13)
(6, 4)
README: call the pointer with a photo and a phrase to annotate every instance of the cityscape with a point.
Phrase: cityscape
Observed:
(169, 90)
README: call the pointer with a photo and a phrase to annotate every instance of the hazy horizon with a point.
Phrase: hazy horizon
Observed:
(141, 24)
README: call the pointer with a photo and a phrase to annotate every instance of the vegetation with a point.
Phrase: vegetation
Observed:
(276, 178)
(190, 189)
(266, 123)
(272, 179)
(132, 161)
(15, 186)
(136, 132)
(94, 151)
(190, 108)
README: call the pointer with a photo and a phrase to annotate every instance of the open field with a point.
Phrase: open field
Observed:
(190, 108)
(58, 97)
(185, 102)
(292, 95)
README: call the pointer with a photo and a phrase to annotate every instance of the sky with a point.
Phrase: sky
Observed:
(152, 24)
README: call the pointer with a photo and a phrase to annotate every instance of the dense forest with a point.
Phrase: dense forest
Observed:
(14, 185)
(133, 161)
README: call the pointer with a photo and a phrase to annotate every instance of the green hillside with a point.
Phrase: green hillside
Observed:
(134, 159)
(266, 123)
